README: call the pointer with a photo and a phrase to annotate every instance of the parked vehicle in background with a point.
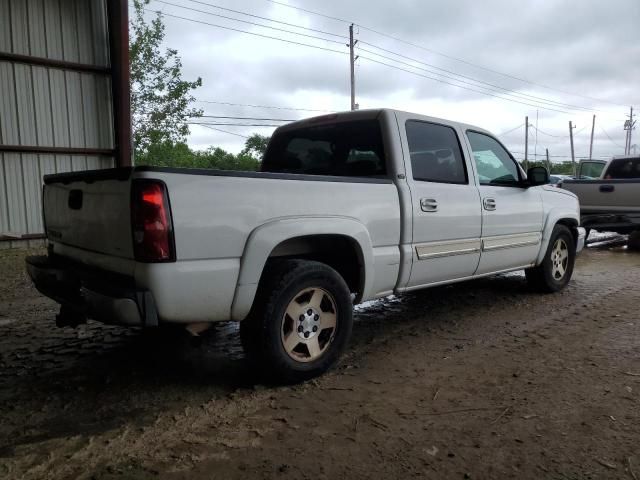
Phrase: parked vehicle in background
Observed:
(556, 179)
(612, 202)
(348, 207)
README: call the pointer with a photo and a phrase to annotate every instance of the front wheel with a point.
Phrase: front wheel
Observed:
(554, 273)
(634, 241)
(301, 321)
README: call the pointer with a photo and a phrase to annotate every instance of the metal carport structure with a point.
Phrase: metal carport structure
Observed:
(64, 100)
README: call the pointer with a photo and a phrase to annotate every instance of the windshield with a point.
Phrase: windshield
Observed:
(350, 149)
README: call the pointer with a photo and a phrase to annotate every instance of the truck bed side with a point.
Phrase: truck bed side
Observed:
(215, 214)
(606, 196)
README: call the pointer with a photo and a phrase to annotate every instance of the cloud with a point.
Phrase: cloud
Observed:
(581, 49)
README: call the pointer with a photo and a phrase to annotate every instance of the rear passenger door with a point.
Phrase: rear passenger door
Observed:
(445, 204)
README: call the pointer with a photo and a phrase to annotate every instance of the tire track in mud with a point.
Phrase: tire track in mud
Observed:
(178, 433)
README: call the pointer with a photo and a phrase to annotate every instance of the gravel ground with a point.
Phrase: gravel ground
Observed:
(477, 380)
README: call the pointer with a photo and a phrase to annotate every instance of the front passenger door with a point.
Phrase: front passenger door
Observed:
(511, 213)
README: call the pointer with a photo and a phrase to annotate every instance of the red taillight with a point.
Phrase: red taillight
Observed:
(151, 222)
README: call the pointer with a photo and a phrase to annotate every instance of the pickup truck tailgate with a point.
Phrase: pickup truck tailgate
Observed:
(91, 211)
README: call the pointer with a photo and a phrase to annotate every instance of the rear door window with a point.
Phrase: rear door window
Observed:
(347, 149)
(591, 169)
(435, 153)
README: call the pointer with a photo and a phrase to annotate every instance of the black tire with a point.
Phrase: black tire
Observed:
(544, 277)
(633, 243)
(263, 332)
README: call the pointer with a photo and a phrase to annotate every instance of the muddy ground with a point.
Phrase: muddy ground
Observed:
(477, 380)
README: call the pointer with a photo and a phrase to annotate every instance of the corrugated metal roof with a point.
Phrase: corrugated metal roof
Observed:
(50, 107)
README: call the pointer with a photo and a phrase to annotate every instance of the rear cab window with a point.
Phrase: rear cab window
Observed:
(344, 149)
(623, 168)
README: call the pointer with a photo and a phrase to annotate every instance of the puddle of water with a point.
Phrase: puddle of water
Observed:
(376, 303)
(604, 239)
(7, 321)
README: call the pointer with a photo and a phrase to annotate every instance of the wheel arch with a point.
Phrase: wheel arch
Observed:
(558, 217)
(315, 238)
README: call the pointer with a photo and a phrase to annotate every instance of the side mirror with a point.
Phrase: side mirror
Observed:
(537, 176)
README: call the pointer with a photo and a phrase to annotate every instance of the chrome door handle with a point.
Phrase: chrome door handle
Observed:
(428, 204)
(489, 203)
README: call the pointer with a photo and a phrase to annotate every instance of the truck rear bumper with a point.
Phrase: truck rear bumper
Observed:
(619, 222)
(89, 293)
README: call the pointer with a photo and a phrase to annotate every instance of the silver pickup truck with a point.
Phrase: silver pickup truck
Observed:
(348, 207)
(612, 201)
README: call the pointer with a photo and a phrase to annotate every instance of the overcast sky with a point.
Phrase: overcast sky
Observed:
(587, 51)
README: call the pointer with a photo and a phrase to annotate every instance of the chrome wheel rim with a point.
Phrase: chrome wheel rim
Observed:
(559, 259)
(309, 324)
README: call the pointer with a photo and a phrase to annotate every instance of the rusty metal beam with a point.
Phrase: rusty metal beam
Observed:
(48, 62)
(27, 236)
(57, 150)
(118, 21)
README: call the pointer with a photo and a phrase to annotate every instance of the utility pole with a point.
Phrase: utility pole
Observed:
(548, 161)
(526, 142)
(626, 136)
(535, 145)
(352, 60)
(593, 126)
(573, 157)
(629, 126)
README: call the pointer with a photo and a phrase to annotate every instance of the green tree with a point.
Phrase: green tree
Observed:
(167, 154)
(160, 99)
(179, 154)
(255, 146)
(217, 158)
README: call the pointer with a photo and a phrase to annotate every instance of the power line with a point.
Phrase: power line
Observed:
(263, 106)
(451, 57)
(249, 118)
(460, 86)
(219, 130)
(549, 134)
(496, 89)
(512, 92)
(248, 33)
(310, 11)
(247, 21)
(524, 80)
(511, 130)
(337, 51)
(576, 133)
(610, 139)
(235, 124)
(269, 19)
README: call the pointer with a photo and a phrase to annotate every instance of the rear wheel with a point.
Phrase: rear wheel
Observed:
(301, 321)
(633, 243)
(554, 273)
